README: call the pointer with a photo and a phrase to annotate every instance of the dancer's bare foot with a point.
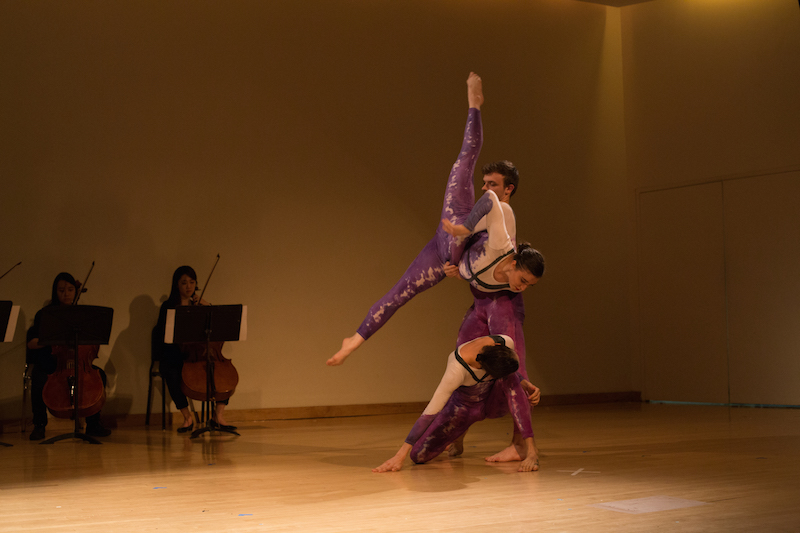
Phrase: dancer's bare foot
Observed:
(521, 450)
(529, 464)
(456, 448)
(396, 462)
(349, 345)
(456, 230)
(505, 456)
(474, 90)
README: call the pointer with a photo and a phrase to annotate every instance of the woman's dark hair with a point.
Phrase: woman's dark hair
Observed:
(506, 169)
(174, 293)
(63, 276)
(498, 360)
(530, 259)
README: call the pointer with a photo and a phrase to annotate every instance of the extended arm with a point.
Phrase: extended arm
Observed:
(488, 208)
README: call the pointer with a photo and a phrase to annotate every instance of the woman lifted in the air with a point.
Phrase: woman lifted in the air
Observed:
(509, 269)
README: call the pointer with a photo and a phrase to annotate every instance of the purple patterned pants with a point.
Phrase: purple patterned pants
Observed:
(466, 406)
(427, 268)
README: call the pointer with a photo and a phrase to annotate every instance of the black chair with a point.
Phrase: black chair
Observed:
(155, 353)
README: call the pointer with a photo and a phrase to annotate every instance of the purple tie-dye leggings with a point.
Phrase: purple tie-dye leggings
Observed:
(428, 268)
(496, 313)
(431, 435)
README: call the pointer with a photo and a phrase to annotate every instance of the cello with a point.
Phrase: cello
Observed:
(207, 375)
(69, 384)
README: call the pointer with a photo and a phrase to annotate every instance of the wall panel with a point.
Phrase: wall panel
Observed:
(762, 255)
(682, 294)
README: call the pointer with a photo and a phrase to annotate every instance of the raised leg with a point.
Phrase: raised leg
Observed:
(427, 268)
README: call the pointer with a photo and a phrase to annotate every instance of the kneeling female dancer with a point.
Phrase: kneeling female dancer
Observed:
(468, 393)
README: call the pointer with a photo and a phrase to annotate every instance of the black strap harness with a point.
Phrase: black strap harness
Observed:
(497, 339)
(474, 275)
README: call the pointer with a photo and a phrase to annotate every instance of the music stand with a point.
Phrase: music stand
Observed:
(205, 323)
(8, 324)
(75, 325)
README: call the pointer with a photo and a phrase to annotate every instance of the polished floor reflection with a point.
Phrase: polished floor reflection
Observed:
(314, 475)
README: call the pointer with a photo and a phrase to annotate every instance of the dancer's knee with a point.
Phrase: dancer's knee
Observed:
(418, 456)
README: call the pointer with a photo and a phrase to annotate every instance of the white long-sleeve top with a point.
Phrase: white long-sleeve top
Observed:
(457, 375)
(479, 263)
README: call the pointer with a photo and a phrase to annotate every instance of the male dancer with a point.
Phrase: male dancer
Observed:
(498, 307)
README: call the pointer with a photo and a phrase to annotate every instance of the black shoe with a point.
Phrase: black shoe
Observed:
(97, 430)
(37, 433)
(213, 424)
(186, 429)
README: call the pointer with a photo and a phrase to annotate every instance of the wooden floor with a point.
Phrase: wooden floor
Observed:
(314, 475)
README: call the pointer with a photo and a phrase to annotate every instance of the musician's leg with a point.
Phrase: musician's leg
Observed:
(93, 425)
(219, 410)
(39, 409)
(171, 374)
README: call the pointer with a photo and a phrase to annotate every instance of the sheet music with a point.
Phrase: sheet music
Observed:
(243, 325)
(169, 331)
(12, 324)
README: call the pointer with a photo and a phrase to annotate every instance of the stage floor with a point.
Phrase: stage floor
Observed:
(687, 468)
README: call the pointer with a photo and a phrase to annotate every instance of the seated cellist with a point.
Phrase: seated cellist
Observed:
(171, 356)
(44, 362)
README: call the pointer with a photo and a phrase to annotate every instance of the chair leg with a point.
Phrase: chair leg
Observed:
(163, 405)
(26, 381)
(149, 400)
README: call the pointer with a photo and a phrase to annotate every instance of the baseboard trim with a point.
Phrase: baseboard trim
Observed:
(333, 411)
(595, 397)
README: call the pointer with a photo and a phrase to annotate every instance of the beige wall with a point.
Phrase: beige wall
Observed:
(711, 104)
(710, 88)
(308, 143)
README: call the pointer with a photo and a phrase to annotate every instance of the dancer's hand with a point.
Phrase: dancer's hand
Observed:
(456, 230)
(533, 392)
(451, 271)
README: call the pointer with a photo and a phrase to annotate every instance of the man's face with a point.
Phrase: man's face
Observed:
(495, 182)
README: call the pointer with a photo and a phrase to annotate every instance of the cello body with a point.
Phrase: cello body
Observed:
(59, 392)
(195, 374)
